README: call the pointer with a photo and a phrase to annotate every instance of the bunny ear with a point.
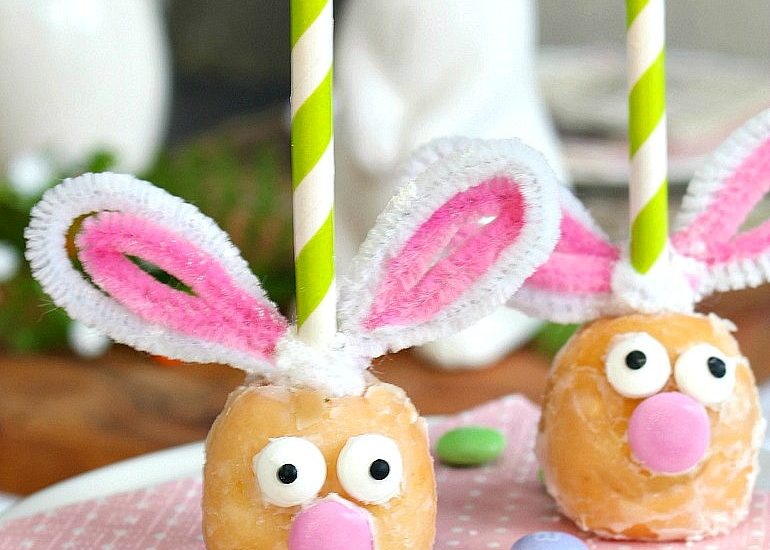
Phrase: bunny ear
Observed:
(718, 201)
(473, 221)
(575, 284)
(216, 313)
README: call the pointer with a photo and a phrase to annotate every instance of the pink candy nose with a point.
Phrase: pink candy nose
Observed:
(669, 432)
(331, 525)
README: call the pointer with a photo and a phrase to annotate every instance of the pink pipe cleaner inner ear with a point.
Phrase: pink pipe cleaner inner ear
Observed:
(711, 237)
(581, 263)
(448, 253)
(218, 311)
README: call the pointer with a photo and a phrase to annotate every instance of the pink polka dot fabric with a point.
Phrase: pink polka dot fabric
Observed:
(479, 508)
(166, 517)
(495, 505)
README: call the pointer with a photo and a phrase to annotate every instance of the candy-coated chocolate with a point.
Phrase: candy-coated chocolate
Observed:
(331, 525)
(669, 432)
(470, 446)
(549, 540)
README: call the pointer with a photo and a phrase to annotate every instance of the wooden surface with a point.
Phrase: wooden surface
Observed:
(60, 416)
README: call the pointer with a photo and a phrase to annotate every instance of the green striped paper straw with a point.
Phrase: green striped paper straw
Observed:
(312, 162)
(648, 186)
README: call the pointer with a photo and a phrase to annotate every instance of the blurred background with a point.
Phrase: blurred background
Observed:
(193, 96)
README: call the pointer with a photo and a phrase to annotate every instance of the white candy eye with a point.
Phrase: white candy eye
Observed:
(370, 468)
(290, 471)
(637, 365)
(705, 373)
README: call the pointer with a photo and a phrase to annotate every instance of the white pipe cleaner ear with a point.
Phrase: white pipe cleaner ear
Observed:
(588, 277)
(473, 220)
(219, 312)
(469, 226)
(719, 199)
(575, 284)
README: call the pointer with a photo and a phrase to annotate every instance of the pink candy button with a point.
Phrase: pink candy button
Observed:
(331, 525)
(669, 432)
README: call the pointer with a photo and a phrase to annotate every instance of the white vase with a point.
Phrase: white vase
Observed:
(77, 76)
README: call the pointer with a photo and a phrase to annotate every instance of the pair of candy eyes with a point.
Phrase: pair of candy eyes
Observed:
(290, 471)
(638, 366)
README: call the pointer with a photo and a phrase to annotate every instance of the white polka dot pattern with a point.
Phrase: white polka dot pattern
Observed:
(166, 517)
(479, 508)
(495, 505)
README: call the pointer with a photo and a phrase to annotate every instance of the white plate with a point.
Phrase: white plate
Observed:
(128, 475)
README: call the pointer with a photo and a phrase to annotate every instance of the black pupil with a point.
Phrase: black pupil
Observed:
(379, 469)
(287, 474)
(636, 360)
(717, 367)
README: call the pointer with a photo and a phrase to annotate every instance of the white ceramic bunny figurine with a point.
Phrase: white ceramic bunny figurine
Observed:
(313, 452)
(408, 72)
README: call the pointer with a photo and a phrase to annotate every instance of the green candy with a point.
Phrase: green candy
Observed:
(552, 337)
(470, 446)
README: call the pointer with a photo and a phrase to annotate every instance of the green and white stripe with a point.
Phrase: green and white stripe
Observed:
(647, 133)
(313, 168)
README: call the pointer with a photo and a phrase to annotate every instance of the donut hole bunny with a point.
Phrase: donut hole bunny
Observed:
(313, 451)
(651, 425)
